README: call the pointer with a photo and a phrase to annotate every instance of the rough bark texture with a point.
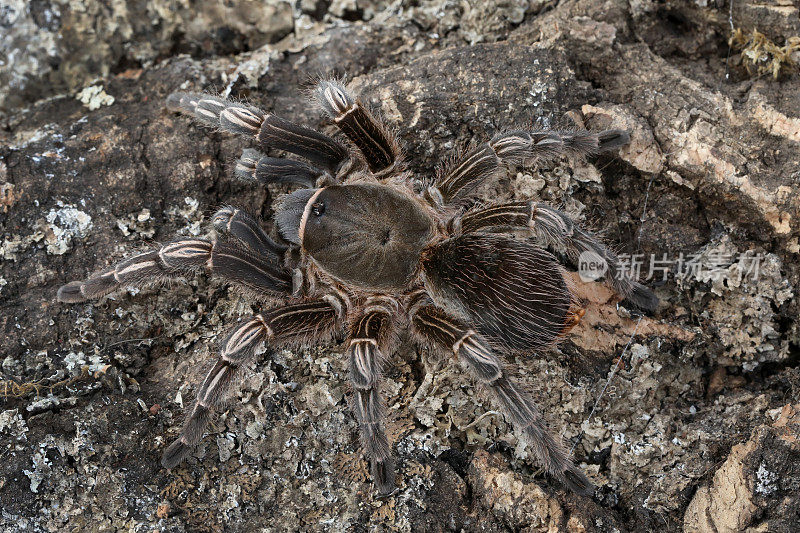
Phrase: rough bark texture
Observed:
(699, 429)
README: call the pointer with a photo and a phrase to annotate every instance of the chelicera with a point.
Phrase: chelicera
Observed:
(363, 248)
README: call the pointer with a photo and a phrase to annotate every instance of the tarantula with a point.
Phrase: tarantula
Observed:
(359, 250)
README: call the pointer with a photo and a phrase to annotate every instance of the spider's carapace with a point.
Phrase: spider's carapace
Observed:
(366, 234)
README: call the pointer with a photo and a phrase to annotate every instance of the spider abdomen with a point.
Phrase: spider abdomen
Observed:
(366, 234)
(512, 291)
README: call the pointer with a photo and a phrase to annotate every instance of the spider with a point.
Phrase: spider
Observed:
(364, 249)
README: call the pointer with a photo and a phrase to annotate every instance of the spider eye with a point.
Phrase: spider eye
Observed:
(318, 208)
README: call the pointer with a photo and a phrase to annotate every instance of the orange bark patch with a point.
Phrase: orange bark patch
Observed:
(601, 327)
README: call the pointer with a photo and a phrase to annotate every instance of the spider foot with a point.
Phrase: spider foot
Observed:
(383, 477)
(175, 454)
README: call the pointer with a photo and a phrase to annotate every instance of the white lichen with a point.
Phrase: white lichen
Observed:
(94, 97)
(62, 225)
(191, 213)
(41, 468)
(12, 424)
(76, 361)
(43, 404)
(226, 445)
(137, 225)
(766, 480)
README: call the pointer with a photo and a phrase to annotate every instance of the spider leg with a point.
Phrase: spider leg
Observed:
(269, 131)
(476, 355)
(484, 161)
(227, 260)
(246, 230)
(255, 166)
(366, 351)
(310, 319)
(378, 145)
(559, 233)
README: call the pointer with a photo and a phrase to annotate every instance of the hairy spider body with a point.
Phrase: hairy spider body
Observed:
(357, 249)
(345, 230)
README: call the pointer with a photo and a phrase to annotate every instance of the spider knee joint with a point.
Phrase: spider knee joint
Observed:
(185, 254)
(478, 356)
(222, 219)
(240, 120)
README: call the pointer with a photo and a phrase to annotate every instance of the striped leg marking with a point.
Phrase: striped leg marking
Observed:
(477, 356)
(473, 168)
(365, 351)
(373, 139)
(255, 166)
(517, 147)
(269, 130)
(180, 257)
(307, 319)
(557, 231)
(246, 230)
